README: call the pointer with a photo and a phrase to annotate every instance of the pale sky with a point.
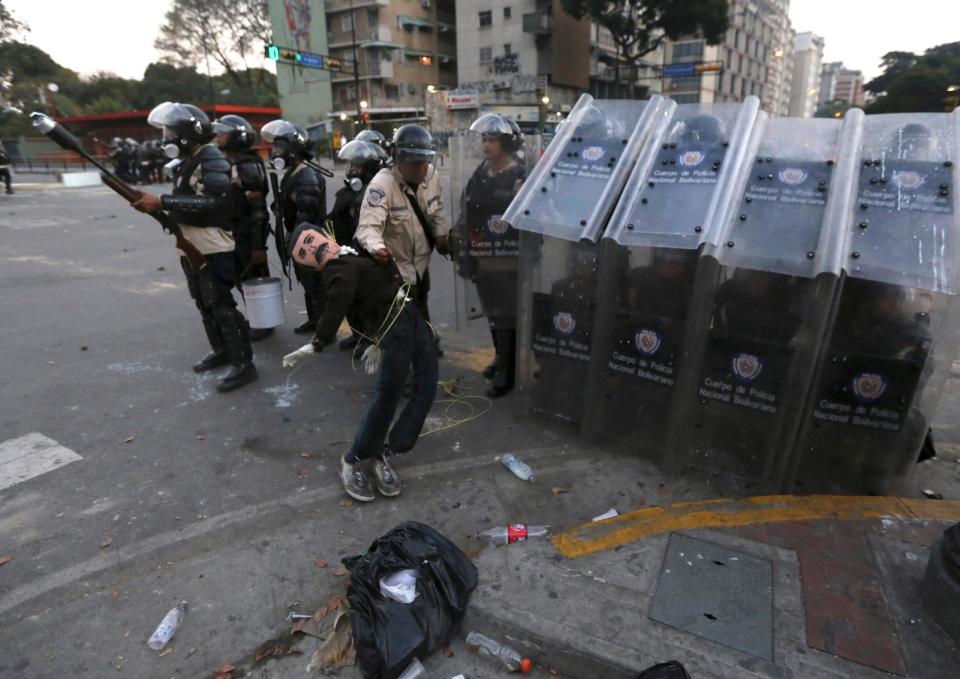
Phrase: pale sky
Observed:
(118, 35)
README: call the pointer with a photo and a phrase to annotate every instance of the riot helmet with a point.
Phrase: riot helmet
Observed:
(502, 128)
(183, 125)
(911, 142)
(372, 136)
(595, 124)
(413, 144)
(116, 143)
(702, 129)
(365, 160)
(288, 141)
(234, 133)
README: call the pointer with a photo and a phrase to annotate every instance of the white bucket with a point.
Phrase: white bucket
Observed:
(264, 300)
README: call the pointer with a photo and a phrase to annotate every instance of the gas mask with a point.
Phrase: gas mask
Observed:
(279, 163)
(353, 183)
(171, 150)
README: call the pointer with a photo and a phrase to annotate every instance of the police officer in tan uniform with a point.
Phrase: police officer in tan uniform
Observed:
(403, 216)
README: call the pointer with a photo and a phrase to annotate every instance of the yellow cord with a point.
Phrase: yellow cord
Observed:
(454, 389)
(399, 302)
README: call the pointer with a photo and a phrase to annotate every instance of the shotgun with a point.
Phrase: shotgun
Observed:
(59, 134)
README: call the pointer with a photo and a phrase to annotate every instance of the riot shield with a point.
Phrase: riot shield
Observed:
(649, 264)
(894, 337)
(561, 212)
(485, 246)
(755, 333)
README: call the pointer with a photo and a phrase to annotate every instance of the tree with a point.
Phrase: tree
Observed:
(912, 83)
(228, 31)
(639, 27)
(10, 26)
(893, 65)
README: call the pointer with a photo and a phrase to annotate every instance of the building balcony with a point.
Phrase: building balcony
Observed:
(537, 23)
(334, 6)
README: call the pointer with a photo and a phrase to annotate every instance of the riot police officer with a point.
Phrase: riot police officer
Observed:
(492, 245)
(303, 198)
(201, 205)
(403, 216)
(236, 137)
(365, 159)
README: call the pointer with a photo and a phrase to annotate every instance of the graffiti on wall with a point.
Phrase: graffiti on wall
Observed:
(518, 84)
(298, 23)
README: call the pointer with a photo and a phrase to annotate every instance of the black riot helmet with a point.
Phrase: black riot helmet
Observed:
(240, 135)
(413, 144)
(288, 141)
(373, 137)
(365, 160)
(595, 124)
(184, 126)
(702, 129)
(911, 142)
(506, 129)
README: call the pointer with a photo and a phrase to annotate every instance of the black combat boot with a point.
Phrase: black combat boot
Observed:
(233, 327)
(350, 342)
(218, 357)
(257, 334)
(503, 377)
(215, 359)
(491, 369)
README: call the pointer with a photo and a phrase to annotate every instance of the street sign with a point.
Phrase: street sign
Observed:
(678, 70)
(307, 59)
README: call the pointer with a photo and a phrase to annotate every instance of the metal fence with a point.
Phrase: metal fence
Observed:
(50, 165)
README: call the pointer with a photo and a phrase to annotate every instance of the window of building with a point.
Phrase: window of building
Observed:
(506, 12)
(693, 98)
(736, 38)
(688, 49)
(691, 83)
(743, 88)
(346, 22)
(506, 48)
(733, 83)
(486, 54)
(486, 19)
(391, 91)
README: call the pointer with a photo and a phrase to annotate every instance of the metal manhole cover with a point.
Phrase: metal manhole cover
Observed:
(716, 593)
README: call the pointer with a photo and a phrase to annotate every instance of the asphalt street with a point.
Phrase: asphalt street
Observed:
(162, 489)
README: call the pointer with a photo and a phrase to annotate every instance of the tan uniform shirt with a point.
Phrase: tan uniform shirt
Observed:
(388, 220)
(207, 239)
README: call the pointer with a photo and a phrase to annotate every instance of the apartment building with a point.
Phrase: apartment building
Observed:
(805, 87)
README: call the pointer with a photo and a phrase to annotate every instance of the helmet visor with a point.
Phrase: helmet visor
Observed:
(415, 155)
(167, 114)
(357, 151)
(278, 128)
(491, 123)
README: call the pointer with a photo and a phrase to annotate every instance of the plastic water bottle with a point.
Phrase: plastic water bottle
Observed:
(510, 658)
(520, 469)
(515, 532)
(415, 670)
(167, 627)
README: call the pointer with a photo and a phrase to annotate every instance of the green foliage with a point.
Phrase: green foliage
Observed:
(830, 109)
(912, 83)
(227, 33)
(28, 71)
(640, 26)
(9, 24)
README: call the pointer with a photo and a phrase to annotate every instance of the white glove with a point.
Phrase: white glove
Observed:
(295, 357)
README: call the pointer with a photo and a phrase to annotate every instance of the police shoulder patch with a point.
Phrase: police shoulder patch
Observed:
(375, 196)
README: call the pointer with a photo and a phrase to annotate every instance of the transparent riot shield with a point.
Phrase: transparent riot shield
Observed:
(894, 336)
(649, 265)
(561, 212)
(485, 246)
(755, 333)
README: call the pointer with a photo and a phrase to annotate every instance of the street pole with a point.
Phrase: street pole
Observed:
(356, 66)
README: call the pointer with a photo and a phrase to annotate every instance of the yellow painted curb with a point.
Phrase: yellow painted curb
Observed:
(723, 513)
